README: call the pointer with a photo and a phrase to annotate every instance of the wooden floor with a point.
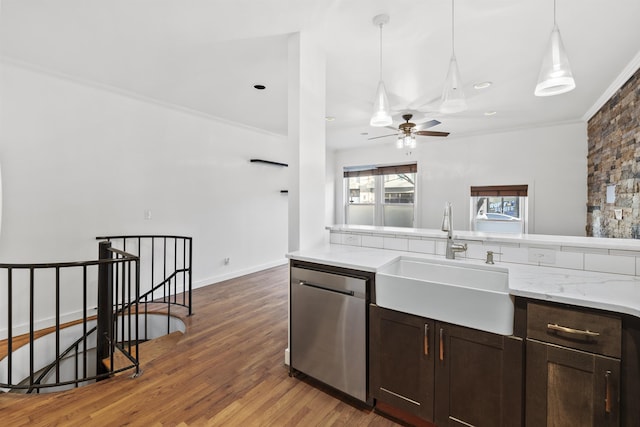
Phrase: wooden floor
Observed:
(227, 370)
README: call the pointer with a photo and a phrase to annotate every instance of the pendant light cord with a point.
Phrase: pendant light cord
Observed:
(453, 31)
(554, 13)
(381, 52)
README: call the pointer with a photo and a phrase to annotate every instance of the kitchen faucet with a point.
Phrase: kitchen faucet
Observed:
(447, 226)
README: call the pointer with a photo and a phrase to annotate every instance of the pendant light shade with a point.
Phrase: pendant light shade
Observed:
(381, 110)
(453, 100)
(555, 74)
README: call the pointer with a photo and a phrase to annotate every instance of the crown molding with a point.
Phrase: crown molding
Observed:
(622, 78)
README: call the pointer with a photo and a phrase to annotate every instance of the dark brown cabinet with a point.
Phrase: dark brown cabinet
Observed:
(573, 367)
(569, 388)
(478, 378)
(447, 374)
(402, 356)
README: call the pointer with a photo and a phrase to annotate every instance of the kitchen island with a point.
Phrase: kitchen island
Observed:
(570, 279)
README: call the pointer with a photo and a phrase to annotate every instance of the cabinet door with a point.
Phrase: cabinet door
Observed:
(478, 378)
(567, 387)
(402, 361)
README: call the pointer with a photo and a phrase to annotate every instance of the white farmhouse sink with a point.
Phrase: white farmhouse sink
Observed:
(476, 296)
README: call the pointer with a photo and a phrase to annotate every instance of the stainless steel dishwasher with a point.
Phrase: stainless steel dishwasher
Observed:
(329, 329)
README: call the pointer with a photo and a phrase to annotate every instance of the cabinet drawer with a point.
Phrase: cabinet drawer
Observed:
(587, 331)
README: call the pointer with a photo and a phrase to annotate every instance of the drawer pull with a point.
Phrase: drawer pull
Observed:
(607, 397)
(426, 339)
(587, 333)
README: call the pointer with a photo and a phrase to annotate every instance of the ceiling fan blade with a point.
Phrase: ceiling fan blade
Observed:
(383, 136)
(429, 124)
(431, 133)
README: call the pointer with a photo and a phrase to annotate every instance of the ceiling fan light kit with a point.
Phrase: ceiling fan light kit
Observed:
(381, 109)
(555, 73)
(406, 141)
(453, 100)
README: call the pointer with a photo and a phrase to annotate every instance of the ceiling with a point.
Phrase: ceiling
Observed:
(206, 55)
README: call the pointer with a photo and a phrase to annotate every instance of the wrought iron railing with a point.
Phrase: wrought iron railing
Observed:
(89, 307)
(166, 279)
(40, 343)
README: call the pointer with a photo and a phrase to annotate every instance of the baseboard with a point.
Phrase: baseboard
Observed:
(238, 273)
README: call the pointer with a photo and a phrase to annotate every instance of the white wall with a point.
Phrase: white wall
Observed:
(551, 160)
(81, 161)
(306, 134)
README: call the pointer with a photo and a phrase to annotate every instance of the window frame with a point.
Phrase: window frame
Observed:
(495, 191)
(379, 172)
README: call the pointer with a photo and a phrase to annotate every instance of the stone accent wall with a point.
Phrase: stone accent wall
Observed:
(614, 159)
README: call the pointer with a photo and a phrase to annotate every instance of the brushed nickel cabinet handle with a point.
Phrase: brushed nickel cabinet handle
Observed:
(607, 395)
(426, 339)
(587, 333)
(441, 344)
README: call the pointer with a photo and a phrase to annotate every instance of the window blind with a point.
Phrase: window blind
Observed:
(500, 191)
(382, 170)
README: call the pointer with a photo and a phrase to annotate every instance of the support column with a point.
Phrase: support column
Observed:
(306, 135)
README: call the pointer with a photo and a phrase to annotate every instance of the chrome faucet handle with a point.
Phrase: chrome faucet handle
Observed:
(490, 255)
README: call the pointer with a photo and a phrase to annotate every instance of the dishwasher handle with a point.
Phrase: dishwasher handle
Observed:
(325, 288)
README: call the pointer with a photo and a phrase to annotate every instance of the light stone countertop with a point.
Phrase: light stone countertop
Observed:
(613, 292)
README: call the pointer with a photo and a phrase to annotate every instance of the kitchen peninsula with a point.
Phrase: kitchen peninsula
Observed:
(576, 330)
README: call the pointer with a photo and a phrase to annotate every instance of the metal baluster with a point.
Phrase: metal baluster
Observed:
(57, 325)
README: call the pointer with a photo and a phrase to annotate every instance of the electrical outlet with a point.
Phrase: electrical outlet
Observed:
(147, 214)
(544, 256)
(351, 239)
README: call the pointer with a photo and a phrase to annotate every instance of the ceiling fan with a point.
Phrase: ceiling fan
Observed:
(408, 129)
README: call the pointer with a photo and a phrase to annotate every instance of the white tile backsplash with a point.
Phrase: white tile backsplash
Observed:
(571, 257)
(396, 243)
(422, 246)
(601, 251)
(624, 253)
(516, 255)
(373, 242)
(572, 260)
(610, 263)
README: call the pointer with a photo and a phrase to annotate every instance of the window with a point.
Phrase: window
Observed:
(381, 195)
(499, 209)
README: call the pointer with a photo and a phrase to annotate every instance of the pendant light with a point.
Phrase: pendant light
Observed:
(453, 100)
(555, 74)
(381, 110)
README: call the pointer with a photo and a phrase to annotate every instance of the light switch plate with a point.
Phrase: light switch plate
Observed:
(545, 256)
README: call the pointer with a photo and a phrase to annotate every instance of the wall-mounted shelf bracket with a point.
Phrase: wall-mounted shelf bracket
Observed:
(269, 162)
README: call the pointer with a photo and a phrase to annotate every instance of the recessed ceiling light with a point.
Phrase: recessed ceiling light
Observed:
(260, 87)
(329, 118)
(482, 85)
(490, 113)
